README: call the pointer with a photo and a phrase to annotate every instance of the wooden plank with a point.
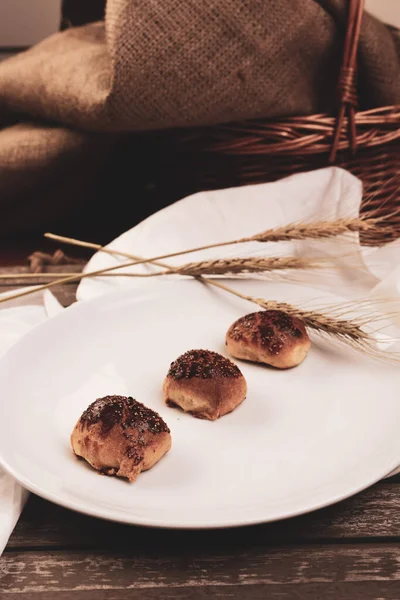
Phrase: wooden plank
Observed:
(322, 566)
(13, 282)
(373, 514)
(65, 293)
(372, 590)
(21, 269)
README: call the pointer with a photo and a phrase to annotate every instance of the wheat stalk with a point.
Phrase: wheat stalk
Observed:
(330, 321)
(136, 260)
(320, 321)
(238, 266)
(57, 275)
(317, 230)
(293, 231)
(371, 227)
(231, 267)
(323, 321)
(348, 331)
(223, 266)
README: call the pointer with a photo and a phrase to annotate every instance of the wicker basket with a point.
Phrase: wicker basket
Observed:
(366, 143)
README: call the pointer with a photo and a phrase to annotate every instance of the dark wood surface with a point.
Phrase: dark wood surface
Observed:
(350, 551)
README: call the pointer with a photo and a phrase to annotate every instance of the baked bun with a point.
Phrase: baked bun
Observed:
(272, 337)
(205, 384)
(120, 436)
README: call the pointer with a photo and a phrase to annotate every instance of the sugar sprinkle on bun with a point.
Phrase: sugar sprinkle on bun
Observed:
(272, 337)
(204, 383)
(119, 436)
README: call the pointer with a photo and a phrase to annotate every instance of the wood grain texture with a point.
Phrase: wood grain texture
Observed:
(323, 566)
(374, 514)
(66, 293)
(23, 269)
(371, 590)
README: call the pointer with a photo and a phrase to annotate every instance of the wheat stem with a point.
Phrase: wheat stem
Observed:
(315, 320)
(53, 275)
(83, 244)
(248, 265)
(293, 231)
(348, 331)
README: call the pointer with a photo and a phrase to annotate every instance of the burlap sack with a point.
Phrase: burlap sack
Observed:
(167, 64)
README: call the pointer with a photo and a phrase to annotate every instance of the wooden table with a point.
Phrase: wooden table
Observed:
(349, 551)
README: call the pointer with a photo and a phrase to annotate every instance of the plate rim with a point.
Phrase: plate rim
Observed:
(189, 526)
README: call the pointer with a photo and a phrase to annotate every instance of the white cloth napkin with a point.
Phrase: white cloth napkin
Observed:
(222, 215)
(14, 323)
(25, 313)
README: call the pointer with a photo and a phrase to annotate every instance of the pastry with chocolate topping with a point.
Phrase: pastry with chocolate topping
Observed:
(119, 436)
(271, 336)
(205, 384)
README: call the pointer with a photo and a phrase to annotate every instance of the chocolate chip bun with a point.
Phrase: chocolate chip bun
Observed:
(205, 384)
(271, 337)
(119, 436)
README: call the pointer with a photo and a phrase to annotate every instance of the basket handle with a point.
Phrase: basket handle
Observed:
(347, 79)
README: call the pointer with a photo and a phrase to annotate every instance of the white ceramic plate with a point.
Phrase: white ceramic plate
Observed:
(302, 439)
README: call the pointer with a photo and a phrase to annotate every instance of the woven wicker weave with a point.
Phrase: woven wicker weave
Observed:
(366, 143)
